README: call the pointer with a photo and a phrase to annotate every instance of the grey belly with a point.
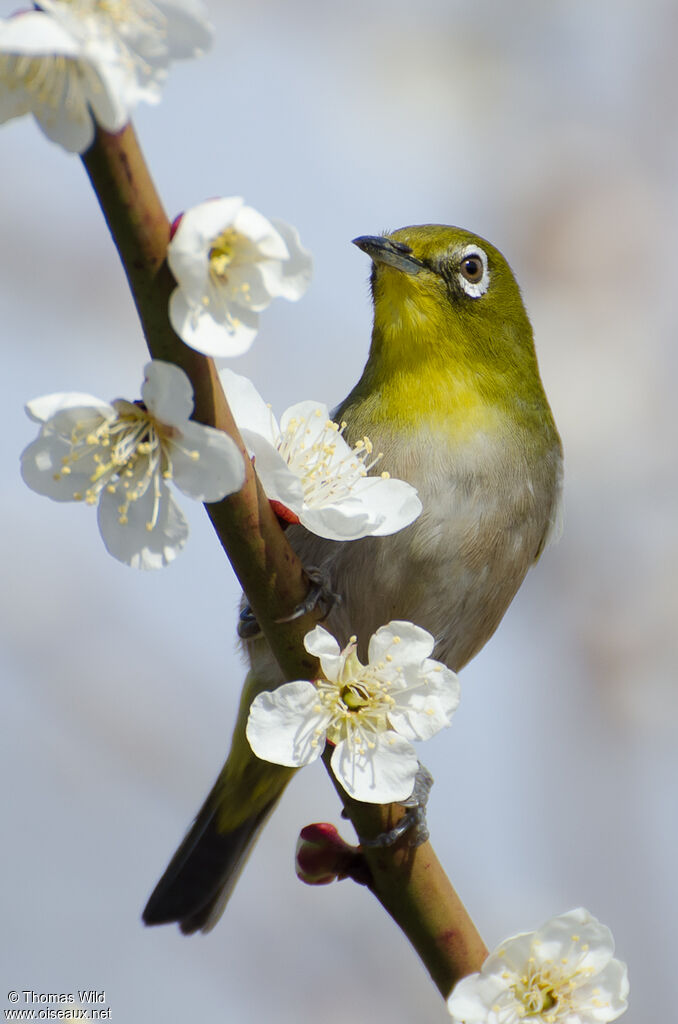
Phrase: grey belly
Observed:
(455, 576)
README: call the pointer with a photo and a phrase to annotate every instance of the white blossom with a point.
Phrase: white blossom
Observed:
(370, 713)
(563, 973)
(121, 457)
(74, 63)
(305, 464)
(229, 263)
(154, 32)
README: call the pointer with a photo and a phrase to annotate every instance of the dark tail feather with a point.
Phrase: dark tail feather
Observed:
(200, 877)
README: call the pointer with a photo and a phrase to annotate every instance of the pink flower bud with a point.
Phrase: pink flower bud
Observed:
(322, 855)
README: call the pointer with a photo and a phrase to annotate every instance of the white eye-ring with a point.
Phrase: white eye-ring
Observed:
(473, 273)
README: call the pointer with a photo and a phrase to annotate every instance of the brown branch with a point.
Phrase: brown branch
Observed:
(413, 888)
(409, 883)
(269, 571)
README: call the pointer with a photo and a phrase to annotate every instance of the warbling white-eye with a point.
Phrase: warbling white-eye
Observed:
(451, 395)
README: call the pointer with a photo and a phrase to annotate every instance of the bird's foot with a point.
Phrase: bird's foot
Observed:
(413, 821)
(248, 626)
(319, 596)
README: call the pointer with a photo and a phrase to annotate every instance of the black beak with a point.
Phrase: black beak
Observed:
(386, 250)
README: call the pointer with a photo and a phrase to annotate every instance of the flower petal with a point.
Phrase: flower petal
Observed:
(323, 645)
(249, 410)
(553, 940)
(406, 643)
(132, 542)
(422, 711)
(71, 127)
(253, 225)
(512, 955)
(188, 30)
(421, 719)
(604, 996)
(42, 465)
(347, 521)
(167, 392)
(285, 726)
(36, 34)
(248, 287)
(47, 465)
(297, 270)
(112, 89)
(199, 329)
(206, 463)
(277, 479)
(393, 503)
(359, 514)
(47, 406)
(380, 774)
(14, 102)
(472, 998)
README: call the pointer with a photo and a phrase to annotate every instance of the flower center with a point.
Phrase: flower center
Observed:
(355, 696)
(222, 253)
(357, 703)
(327, 467)
(546, 991)
(126, 455)
(538, 997)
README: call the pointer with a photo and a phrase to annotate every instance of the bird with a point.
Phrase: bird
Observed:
(451, 395)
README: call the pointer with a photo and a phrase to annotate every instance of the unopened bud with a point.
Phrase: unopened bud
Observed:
(322, 855)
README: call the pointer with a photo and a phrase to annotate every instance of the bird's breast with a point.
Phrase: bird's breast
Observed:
(487, 505)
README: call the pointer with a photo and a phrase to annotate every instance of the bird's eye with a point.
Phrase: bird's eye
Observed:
(473, 273)
(472, 268)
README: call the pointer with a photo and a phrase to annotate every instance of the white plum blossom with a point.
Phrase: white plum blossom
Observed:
(563, 973)
(121, 457)
(66, 81)
(370, 713)
(229, 262)
(305, 465)
(154, 32)
(74, 63)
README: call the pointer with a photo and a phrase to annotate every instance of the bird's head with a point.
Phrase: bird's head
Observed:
(451, 342)
(442, 293)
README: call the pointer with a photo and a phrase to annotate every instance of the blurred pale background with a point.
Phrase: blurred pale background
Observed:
(549, 129)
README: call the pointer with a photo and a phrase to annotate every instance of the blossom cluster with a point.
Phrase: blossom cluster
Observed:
(121, 456)
(77, 63)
